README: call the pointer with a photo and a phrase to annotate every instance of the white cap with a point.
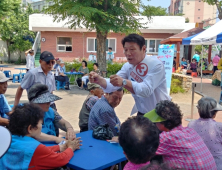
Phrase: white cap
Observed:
(3, 78)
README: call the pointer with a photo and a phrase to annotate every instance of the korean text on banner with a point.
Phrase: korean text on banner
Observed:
(166, 55)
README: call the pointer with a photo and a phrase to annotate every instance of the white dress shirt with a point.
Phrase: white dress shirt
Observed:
(151, 90)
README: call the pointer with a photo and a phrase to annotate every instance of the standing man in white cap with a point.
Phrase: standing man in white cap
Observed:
(5, 109)
(41, 74)
(30, 59)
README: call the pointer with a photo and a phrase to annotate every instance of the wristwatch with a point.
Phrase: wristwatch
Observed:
(124, 82)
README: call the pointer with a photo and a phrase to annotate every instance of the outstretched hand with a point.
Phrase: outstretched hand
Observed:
(116, 80)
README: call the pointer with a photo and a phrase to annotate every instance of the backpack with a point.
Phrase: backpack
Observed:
(79, 81)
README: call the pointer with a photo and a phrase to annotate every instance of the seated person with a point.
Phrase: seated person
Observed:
(84, 69)
(25, 152)
(180, 146)
(193, 65)
(184, 63)
(60, 76)
(5, 109)
(40, 95)
(103, 111)
(201, 64)
(96, 69)
(208, 129)
(139, 138)
(57, 63)
(219, 65)
(95, 93)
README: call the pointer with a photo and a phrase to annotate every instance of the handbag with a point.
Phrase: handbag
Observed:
(102, 132)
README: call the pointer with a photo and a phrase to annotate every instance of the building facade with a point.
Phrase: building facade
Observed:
(195, 11)
(69, 44)
(26, 2)
(40, 5)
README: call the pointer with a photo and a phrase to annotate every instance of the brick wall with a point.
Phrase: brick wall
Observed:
(79, 43)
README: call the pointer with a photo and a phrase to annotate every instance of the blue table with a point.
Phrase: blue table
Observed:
(21, 69)
(75, 76)
(94, 154)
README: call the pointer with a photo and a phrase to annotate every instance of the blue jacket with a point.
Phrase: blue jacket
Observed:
(48, 126)
(19, 154)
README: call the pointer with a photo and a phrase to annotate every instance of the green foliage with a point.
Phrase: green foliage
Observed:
(198, 48)
(103, 16)
(187, 20)
(218, 3)
(7, 7)
(153, 11)
(14, 28)
(176, 86)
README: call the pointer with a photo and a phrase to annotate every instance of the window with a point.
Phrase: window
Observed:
(64, 44)
(92, 44)
(152, 45)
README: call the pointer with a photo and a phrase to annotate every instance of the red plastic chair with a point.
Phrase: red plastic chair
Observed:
(173, 70)
(194, 74)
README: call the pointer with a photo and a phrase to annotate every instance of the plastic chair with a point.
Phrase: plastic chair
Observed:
(194, 74)
(60, 85)
(7, 73)
(173, 70)
(16, 78)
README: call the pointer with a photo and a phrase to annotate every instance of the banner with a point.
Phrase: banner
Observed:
(166, 55)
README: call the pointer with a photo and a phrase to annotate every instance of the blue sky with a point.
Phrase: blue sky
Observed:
(162, 3)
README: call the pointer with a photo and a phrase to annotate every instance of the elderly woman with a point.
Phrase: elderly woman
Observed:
(40, 95)
(84, 69)
(209, 130)
(25, 152)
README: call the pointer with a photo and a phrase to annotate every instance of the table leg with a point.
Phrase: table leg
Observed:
(75, 78)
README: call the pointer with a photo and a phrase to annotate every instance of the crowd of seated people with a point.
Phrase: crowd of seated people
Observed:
(142, 137)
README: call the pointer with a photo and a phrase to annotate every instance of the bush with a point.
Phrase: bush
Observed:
(176, 86)
(111, 69)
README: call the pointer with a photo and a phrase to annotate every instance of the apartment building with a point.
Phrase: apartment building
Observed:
(195, 11)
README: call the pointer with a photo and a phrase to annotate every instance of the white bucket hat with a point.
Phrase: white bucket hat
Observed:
(3, 78)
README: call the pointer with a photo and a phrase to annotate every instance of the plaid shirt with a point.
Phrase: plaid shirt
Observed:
(102, 113)
(91, 102)
(184, 148)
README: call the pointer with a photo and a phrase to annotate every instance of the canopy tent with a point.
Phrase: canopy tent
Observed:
(187, 41)
(209, 36)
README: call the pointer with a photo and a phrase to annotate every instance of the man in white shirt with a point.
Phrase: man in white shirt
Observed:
(143, 76)
(30, 60)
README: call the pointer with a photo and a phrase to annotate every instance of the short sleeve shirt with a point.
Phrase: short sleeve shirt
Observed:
(57, 117)
(4, 106)
(37, 75)
(85, 70)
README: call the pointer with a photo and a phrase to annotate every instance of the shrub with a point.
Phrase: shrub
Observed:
(176, 86)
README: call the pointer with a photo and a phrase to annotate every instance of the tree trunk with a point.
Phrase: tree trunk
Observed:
(101, 51)
(9, 54)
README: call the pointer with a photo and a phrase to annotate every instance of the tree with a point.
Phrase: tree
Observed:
(15, 30)
(103, 16)
(153, 11)
(8, 6)
(218, 3)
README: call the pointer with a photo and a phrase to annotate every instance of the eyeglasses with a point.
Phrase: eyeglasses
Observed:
(52, 62)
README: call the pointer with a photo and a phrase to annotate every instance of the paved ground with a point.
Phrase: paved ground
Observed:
(72, 101)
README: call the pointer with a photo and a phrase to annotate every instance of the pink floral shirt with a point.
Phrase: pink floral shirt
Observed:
(132, 166)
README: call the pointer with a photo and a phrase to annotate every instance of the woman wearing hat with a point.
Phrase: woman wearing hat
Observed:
(40, 95)
(208, 129)
(27, 153)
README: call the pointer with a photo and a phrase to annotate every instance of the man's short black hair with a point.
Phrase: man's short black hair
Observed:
(139, 40)
(110, 48)
(139, 138)
(23, 116)
(85, 62)
(170, 112)
(97, 65)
